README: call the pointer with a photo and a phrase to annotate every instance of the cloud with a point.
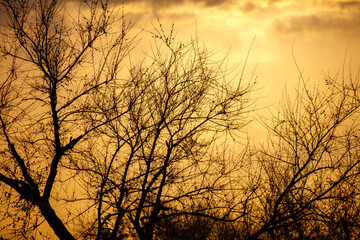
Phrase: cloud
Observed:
(212, 3)
(248, 7)
(169, 3)
(259, 7)
(349, 5)
(327, 16)
(316, 22)
(153, 3)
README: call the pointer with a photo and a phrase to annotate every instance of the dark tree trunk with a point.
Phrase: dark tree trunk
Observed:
(54, 221)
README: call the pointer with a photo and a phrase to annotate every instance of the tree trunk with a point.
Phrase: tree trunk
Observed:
(54, 221)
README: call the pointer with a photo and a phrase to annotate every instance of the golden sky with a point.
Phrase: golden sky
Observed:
(320, 34)
(321, 31)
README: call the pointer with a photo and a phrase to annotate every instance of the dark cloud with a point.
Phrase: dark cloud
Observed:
(349, 5)
(259, 7)
(248, 7)
(211, 3)
(154, 3)
(317, 22)
(170, 3)
(329, 16)
(274, 2)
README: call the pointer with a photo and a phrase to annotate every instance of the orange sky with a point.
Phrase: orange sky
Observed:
(321, 31)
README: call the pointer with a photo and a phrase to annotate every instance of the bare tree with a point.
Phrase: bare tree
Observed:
(53, 65)
(197, 227)
(310, 165)
(99, 155)
(82, 145)
(166, 153)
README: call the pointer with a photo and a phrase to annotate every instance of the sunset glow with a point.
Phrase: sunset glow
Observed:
(182, 119)
(318, 33)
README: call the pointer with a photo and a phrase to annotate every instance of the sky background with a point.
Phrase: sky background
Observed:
(317, 33)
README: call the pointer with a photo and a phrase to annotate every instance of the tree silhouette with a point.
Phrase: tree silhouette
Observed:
(113, 149)
(159, 157)
(56, 65)
(102, 148)
(309, 169)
